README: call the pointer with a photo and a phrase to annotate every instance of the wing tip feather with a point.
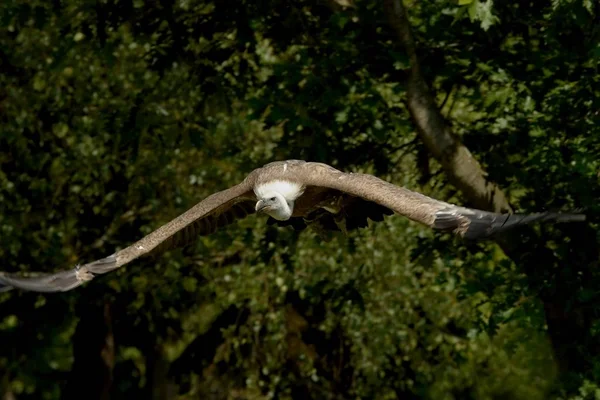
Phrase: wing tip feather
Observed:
(479, 224)
(61, 281)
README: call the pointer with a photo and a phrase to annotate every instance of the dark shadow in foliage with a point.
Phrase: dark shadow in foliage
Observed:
(94, 353)
(331, 350)
(568, 287)
(199, 354)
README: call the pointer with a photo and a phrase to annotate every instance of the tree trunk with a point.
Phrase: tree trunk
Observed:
(462, 168)
(157, 369)
(568, 322)
(5, 390)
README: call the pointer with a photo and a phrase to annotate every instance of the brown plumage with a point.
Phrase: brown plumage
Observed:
(296, 193)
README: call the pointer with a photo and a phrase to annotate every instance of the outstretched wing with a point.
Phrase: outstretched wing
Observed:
(217, 210)
(466, 222)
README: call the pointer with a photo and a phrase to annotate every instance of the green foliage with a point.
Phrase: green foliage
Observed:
(480, 11)
(117, 116)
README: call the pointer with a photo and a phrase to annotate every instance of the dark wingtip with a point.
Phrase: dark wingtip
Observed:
(491, 223)
(4, 287)
(477, 224)
(570, 217)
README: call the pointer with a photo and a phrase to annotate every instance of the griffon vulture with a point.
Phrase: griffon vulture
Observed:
(296, 193)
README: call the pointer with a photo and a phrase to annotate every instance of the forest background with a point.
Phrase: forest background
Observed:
(117, 115)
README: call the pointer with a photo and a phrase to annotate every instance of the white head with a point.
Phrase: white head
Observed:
(276, 199)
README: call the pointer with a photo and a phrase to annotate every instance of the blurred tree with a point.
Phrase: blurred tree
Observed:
(569, 322)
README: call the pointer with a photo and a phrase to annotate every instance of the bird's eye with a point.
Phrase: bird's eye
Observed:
(272, 199)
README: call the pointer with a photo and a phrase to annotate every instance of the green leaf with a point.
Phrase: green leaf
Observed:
(60, 130)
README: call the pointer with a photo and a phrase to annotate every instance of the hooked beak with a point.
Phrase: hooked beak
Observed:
(260, 206)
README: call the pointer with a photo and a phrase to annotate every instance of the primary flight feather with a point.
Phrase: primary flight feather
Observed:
(300, 194)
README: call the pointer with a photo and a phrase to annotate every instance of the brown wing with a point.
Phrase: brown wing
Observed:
(219, 209)
(466, 222)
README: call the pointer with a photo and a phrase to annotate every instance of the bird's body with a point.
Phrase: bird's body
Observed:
(312, 204)
(300, 194)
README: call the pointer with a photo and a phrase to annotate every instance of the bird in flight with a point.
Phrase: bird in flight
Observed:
(296, 193)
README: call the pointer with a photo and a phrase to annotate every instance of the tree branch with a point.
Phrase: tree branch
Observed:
(568, 320)
(462, 168)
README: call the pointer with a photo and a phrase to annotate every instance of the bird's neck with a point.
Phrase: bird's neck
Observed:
(287, 206)
(289, 190)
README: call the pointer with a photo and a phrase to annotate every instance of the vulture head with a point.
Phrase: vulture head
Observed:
(276, 206)
(276, 199)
